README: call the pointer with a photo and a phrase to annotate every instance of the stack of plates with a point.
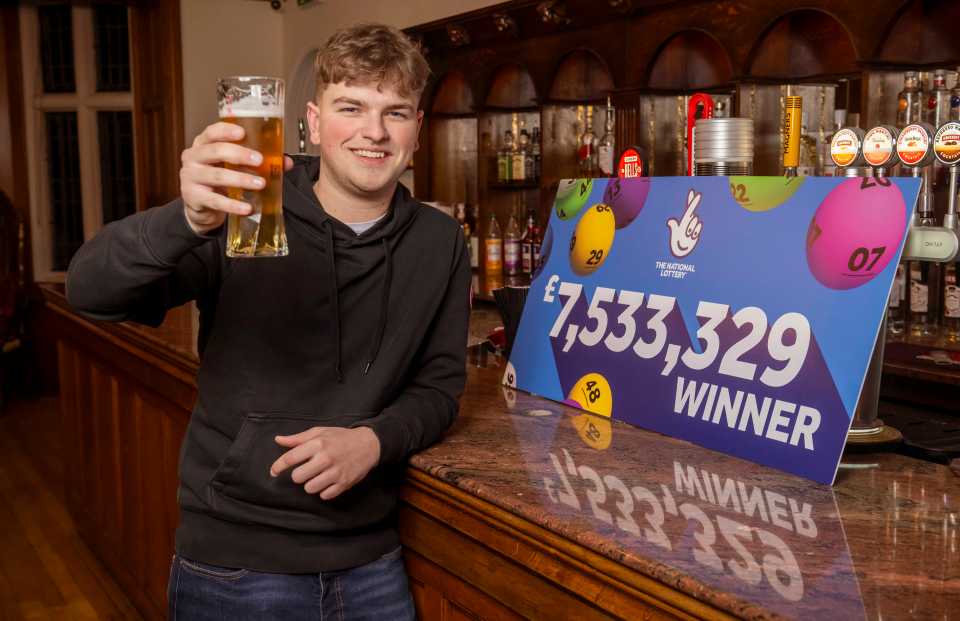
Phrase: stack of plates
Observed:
(723, 146)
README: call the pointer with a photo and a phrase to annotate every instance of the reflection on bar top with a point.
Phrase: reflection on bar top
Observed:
(882, 543)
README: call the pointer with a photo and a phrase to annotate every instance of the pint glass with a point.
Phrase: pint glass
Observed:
(256, 104)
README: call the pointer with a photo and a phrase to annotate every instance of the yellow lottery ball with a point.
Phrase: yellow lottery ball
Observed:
(592, 239)
(592, 393)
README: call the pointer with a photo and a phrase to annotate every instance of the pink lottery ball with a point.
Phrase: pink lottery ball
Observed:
(626, 197)
(855, 232)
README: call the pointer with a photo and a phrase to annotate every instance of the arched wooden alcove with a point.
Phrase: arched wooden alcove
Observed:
(511, 87)
(802, 44)
(689, 60)
(453, 95)
(581, 75)
(923, 33)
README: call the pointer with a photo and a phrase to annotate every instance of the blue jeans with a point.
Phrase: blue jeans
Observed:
(376, 591)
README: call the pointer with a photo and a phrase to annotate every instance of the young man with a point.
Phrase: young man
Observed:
(320, 371)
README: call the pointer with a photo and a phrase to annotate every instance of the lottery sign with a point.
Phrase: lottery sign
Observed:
(738, 313)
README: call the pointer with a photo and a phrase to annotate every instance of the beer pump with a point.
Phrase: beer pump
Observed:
(846, 151)
(700, 106)
(946, 146)
(880, 149)
(792, 119)
(925, 242)
(854, 153)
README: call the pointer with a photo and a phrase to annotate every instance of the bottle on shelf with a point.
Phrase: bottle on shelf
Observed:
(951, 304)
(587, 147)
(519, 157)
(526, 246)
(493, 246)
(955, 98)
(473, 218)
(897, 305)
(511, 244)
(938, 113)
(606, 149)
(529, 170)
(924, 281)
(536, 245)
(908, 101)
(535, 153)
(505, 158)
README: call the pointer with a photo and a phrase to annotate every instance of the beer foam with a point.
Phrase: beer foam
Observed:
(251, 109)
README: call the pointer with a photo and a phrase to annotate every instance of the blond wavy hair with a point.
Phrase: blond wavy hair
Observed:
(372, 54)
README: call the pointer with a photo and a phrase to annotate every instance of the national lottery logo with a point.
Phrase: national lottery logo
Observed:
(685, 233)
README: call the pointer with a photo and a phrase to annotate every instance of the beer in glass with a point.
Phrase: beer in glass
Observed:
(256, 104)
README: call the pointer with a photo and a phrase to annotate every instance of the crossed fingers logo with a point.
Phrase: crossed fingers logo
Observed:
(685, 233)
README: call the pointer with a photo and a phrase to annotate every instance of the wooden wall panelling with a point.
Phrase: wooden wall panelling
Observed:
(124, 415)
(815, 43)
(440, 595)
(689, 60)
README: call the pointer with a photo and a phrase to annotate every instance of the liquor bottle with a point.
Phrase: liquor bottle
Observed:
(511, 246)
(924, 277)
(535, 153)
(473, 217)
(908, 101)
(504, 158)
(526, 246)
(493, 257)
(536, 245)
(897, 306)
(529, 166)
(606, 150)
(587, 148)
(938, 112)
(951, 304)
(519, 161)
(955, 99)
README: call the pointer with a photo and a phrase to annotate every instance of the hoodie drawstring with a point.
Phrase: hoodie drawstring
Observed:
(384, 302)
(334, 298)
(335, 303)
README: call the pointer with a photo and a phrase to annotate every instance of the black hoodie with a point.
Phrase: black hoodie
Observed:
(371, 334)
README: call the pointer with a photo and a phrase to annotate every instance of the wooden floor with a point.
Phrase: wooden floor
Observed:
(46, 571)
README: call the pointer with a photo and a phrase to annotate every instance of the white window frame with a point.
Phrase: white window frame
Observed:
(86, 101)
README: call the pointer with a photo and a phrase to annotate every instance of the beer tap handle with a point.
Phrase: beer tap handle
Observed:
(946, 145)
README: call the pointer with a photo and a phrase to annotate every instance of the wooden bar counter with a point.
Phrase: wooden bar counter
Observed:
(530, 509)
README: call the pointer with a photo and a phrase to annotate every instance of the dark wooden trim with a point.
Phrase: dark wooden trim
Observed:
(156, 59)
(14, 179)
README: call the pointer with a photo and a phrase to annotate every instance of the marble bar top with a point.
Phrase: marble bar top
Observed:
(882, 543)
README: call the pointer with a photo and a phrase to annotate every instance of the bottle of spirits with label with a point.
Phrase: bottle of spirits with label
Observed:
(535, 153)
(505, 158)
(897, 307)
(924, 281)
(587, 148)
(938, 113)
(606, 149)
(519, 159)
(473, 218)
(908, 101)
(511, 246)
(537, 243)
(526, 246)
(951, 304)
(955, 99)
(493, 245)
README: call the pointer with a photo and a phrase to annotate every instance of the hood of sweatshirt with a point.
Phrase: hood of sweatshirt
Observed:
(336, 238)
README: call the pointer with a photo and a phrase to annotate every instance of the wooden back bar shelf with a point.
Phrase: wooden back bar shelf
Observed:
(533, 63)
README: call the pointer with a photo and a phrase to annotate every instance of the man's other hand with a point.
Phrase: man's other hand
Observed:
(328, 460)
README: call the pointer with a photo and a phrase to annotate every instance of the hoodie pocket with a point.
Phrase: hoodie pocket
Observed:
(243, 490)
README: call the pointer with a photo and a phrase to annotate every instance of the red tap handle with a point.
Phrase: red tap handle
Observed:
(700, 106)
